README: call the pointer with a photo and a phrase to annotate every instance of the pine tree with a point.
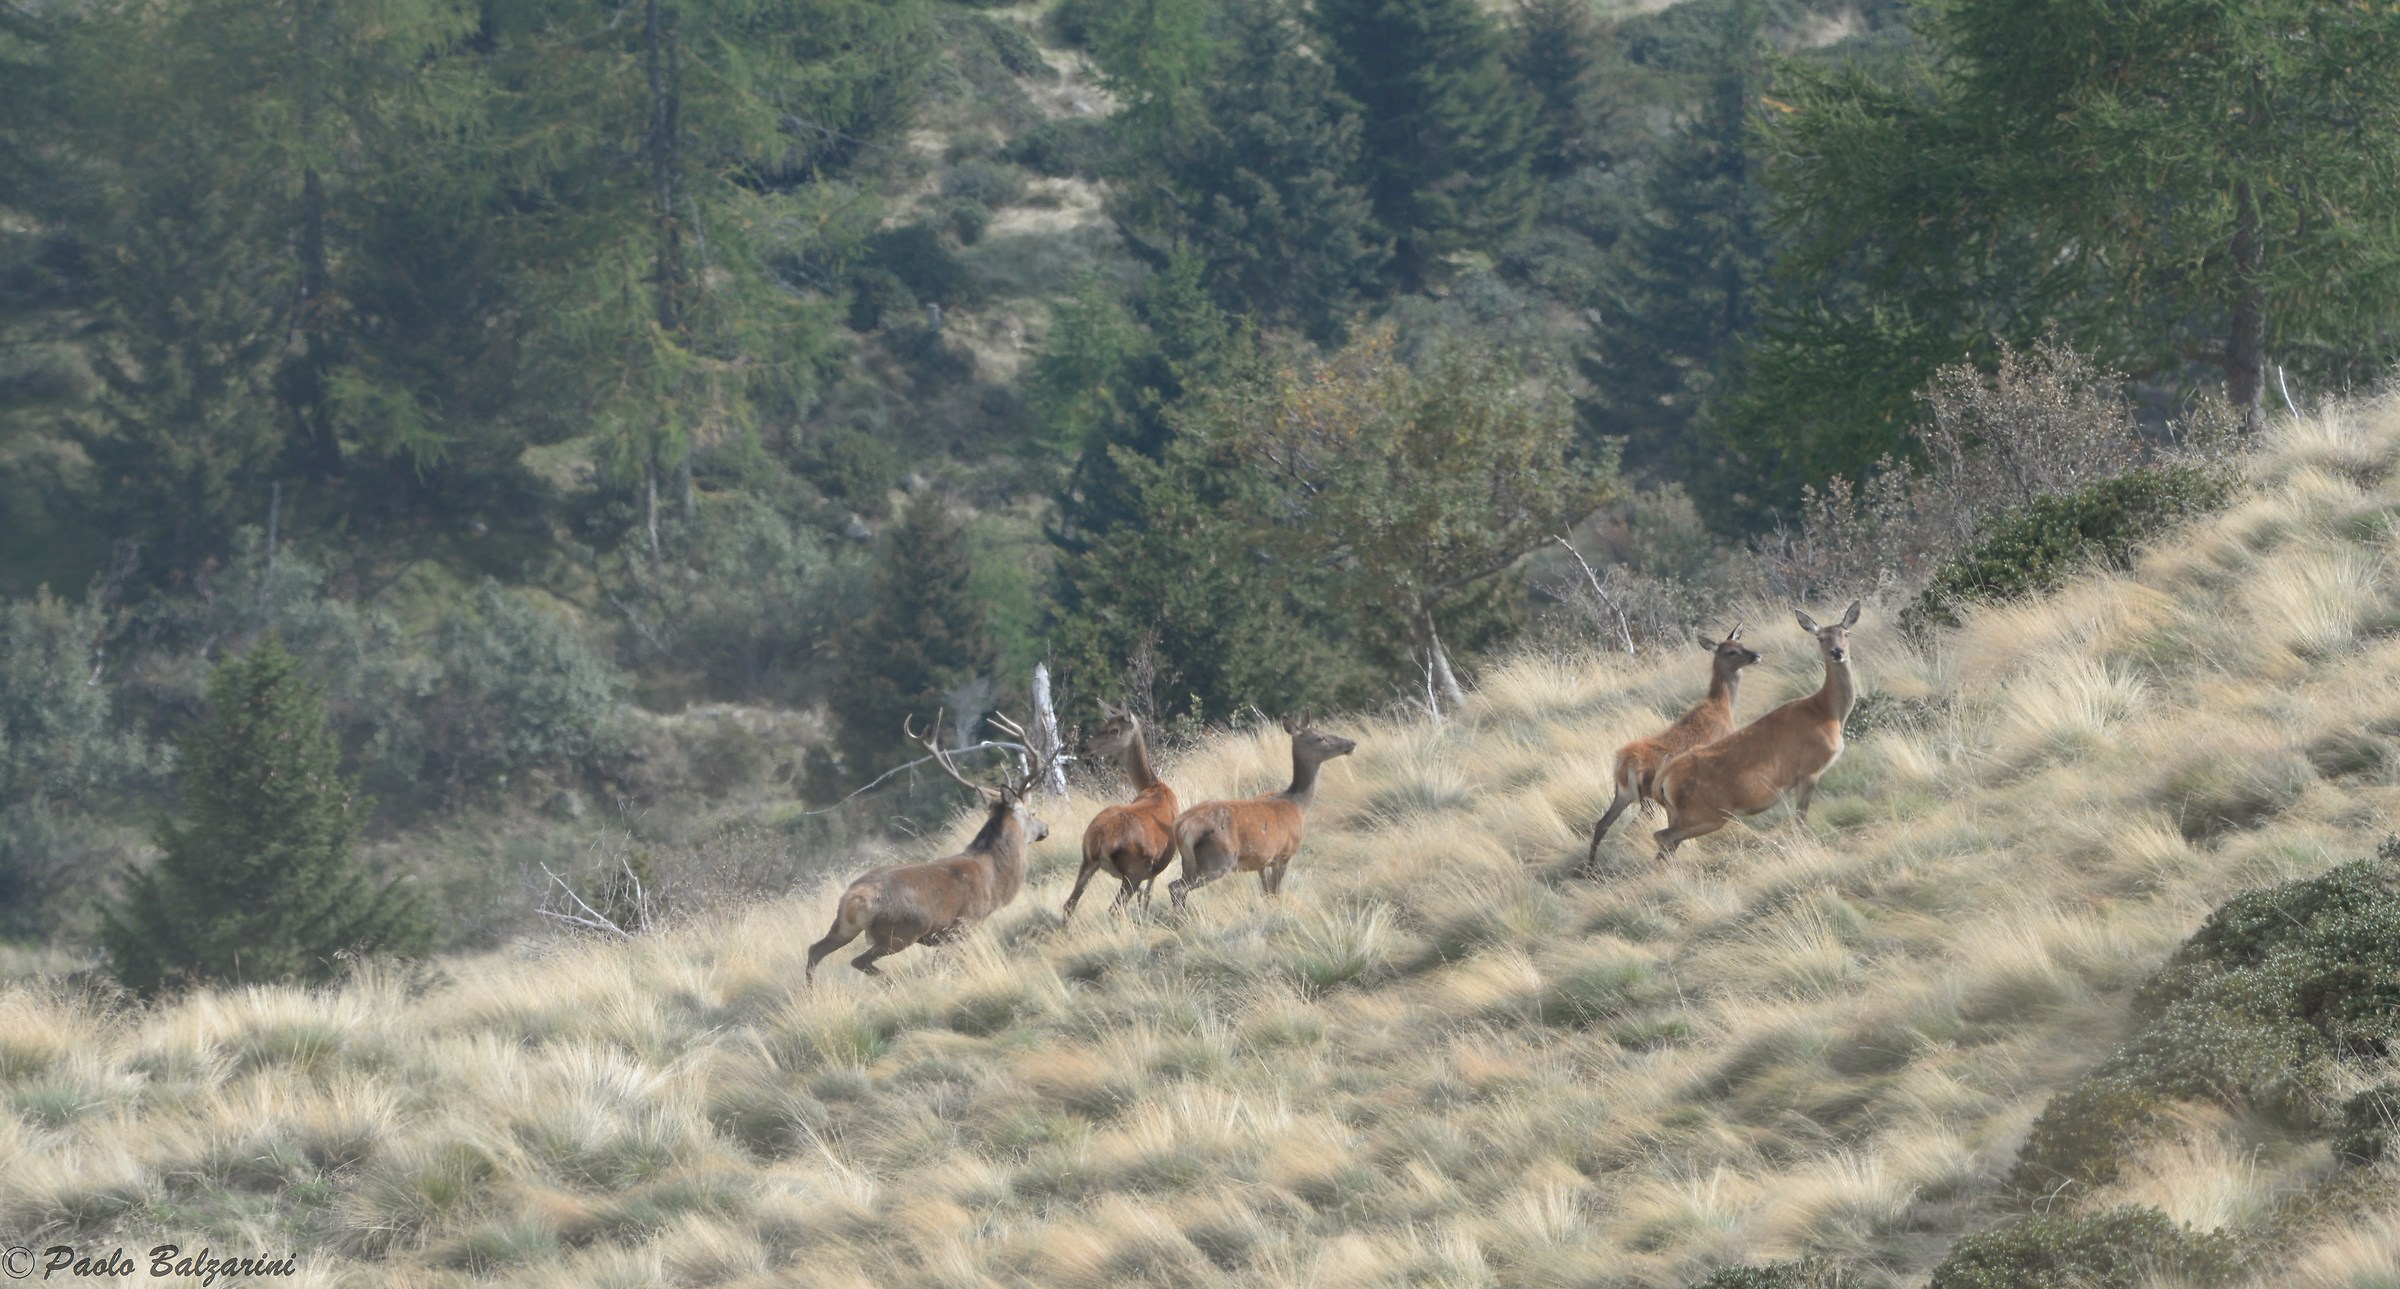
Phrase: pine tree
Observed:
(257, 884)
(1446, 162)
(1694, 264)
(1258, 180)
(1557, 51)
(923, 646)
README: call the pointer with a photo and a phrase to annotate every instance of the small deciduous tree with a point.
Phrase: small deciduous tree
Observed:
(257, 883)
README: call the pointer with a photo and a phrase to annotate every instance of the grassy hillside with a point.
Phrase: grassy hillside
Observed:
(1439, 1059)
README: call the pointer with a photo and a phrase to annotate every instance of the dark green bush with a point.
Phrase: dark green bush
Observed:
(1071, 147)
(855, 468)
(966, 218)
(877, 293)
(2119, 1249)
(1807, 1273)
(2034, 547)
(915, 254)
(2253, 1012)
(2368, 1121)
(992, 183)
(517, 688)
(1015, 49)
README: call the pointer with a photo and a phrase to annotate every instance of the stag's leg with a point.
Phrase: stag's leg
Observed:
(1801, 792)
(1625, 797)
(883, 945)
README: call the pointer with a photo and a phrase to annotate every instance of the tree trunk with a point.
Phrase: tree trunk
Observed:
(2246, 339)
(650, 505)
(1437, 659)
(685, 497)
(1045, 728)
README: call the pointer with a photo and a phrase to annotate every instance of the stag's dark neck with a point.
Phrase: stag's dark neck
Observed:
(1137, 762)
(999, 831)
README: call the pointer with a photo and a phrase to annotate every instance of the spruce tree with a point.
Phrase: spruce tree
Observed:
(924, 645)
(1259, 180)
(1557, 51)
(257, 884)
(1445, 129)
(1694, 262)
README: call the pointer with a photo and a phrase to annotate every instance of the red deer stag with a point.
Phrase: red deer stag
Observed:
(1638, 762)
(938, 900)
(1260, 834)
(1750, 769)
(1133, 840)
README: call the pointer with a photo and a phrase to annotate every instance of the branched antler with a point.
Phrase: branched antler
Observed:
(931, 741)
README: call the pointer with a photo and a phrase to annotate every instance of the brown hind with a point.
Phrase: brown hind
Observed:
(1260, 834)
(1750, 769)
(1135, 839)
(1639, 761)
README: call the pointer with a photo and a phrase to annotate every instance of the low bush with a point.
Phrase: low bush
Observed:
(1807, 1273)
(1072, 147)
(2034, 547)
(2123, 1248)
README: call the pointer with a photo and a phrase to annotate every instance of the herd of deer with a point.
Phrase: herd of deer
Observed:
(1702, 770)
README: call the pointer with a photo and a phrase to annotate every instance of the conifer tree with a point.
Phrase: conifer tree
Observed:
(1557, 51)
(924, 645)
(1259, 179)
(1446, 156)
(1693, 267)
(257, 884)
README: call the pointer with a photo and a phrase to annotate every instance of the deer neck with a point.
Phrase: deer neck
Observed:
(1003, 842)
(1304, 781)
(1723, 685)
(1839, 692)
(1137, 763)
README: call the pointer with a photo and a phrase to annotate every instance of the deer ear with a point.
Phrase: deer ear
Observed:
(1807, 623)
(1290, 726)
(1850, 619)
(1708, 644)
(1736, 633)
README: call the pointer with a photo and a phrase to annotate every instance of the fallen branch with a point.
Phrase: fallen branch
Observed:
(596, 920)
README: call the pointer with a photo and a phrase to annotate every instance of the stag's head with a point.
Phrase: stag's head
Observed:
(1834, 641)
(1013, 796)
(1732, 655)
(1315, 745)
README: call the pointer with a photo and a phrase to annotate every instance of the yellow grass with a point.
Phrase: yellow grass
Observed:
(1440, 1058)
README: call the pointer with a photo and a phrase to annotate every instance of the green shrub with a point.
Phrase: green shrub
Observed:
(2123, 1248)
(966, 219)
(877, 293)
(914, 254)
(2255, 1011)
(1807, 1273)
(1014, 47)
(1070, 147)
(992, 183)
(2369, 1120)
(516, 688)
(2036, 546)
(741, 598)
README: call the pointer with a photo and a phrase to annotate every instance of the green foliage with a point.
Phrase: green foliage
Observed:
(1075, 383)
(2255, 1011)
(2034, 547)
(2369, 1121)
(2123, 1248)
(1446, 133)
(1069, 147)
(1257, 179)
(923, 645)
(1807, 1273)
(515, 688)
(257, 884)
(742, 598)
(1693, 261)
(1559, 51)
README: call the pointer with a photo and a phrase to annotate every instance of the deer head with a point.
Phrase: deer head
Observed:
(1314, 745)
(1732, 654)
(1115, 734)
(1833, 640)
(1011, 795)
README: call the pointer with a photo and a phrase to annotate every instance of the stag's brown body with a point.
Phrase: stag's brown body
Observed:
(934, 901)
(1260, 834)
(1133, 840)
(1639, 761)
(1788, 749)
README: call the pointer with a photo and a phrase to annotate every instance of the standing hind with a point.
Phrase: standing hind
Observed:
(1258, 835)
(1639, 761)
(1788, 749)
(1133, 840)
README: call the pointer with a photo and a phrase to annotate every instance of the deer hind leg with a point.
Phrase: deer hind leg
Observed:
(1272, 875)
(1625, 797)
(1091, 864)
(1801, 792)
(833, 940)
(883, 945)
(1205, 862)
(1682, 828)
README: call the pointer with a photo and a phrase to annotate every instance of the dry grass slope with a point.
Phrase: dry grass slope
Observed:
(1437, 1060)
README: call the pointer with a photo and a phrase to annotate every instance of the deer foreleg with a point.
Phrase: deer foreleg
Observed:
(1801, 792)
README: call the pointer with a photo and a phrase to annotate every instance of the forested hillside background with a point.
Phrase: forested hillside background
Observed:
(630, 411)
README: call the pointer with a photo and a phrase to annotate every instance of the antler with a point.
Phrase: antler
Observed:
(1041, 757)
(931, 741)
